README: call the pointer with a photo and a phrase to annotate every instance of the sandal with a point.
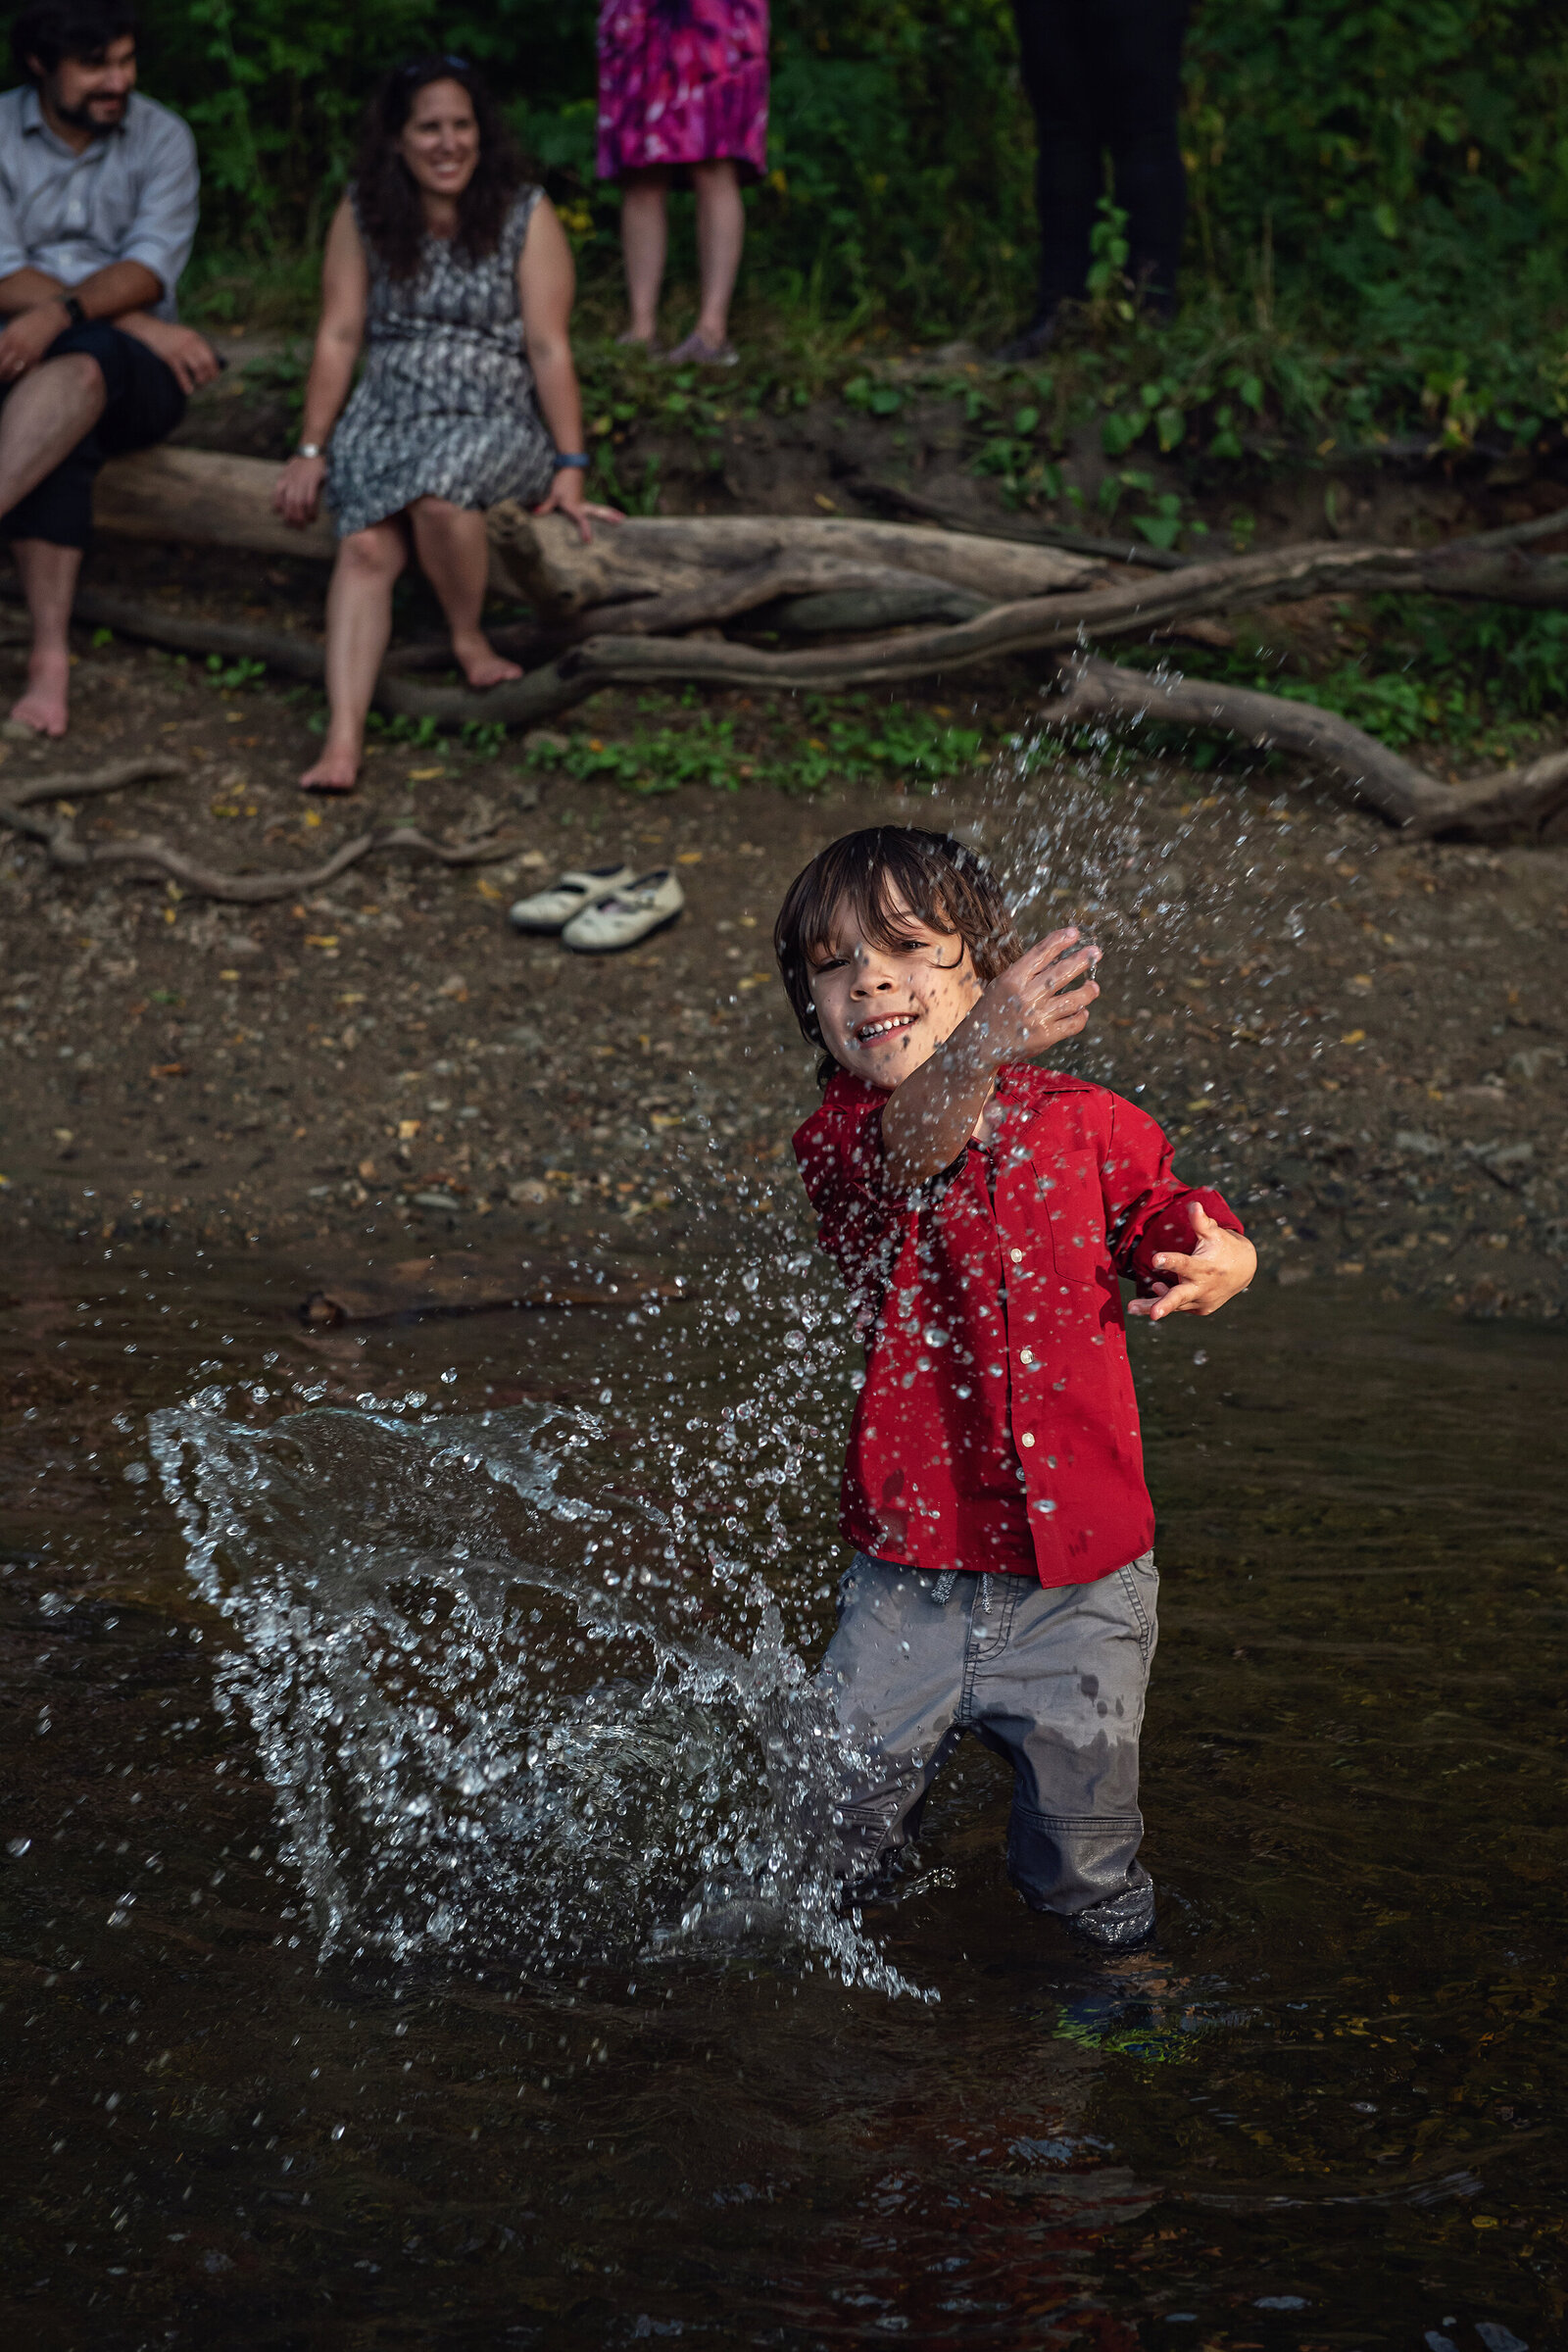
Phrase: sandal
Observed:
(697, 352)
(628, 915)
(571, 896)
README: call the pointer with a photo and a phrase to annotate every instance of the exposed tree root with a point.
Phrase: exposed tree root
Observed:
(58, 836)
(1031, 534)
(539, 694)
(1513, 801)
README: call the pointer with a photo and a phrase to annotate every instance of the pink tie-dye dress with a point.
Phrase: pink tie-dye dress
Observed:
(682, 81)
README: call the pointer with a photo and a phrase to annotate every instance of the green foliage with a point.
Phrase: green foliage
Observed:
(840, 744)
(1379, 214)
(1474, 677)
(227, 676)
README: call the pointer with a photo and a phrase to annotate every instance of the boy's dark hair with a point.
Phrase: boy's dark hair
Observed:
(936, 878)
(51, 30)
(386, 197)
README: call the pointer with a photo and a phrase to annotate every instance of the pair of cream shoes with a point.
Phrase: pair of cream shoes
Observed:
(599, 909)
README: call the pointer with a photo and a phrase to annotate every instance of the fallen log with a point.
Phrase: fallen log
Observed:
(849, 612)
(798, 586)
(453, 1284)
(58, 837)
(205, 499)
(660, 556)
(1512, 801)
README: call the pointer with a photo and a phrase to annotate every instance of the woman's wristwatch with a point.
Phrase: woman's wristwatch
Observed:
(577, 459)
(310, 449)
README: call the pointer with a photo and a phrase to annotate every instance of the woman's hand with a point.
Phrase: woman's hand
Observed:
(1199, 1281)
(298, 494)
(1032, 1007)
(567, 497)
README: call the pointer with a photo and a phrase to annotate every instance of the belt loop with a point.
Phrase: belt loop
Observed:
(942, 1590)
(985, 1592)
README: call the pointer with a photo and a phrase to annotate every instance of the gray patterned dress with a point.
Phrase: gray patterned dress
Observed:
(445, 408)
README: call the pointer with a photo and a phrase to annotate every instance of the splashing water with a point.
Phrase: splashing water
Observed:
(474, 1749)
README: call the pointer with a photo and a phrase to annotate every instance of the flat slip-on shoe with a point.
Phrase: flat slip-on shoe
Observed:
(584, 886)
(620, 921)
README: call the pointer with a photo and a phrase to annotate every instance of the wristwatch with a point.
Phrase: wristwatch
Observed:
(574, 459)
(73, 310)
(310, 449)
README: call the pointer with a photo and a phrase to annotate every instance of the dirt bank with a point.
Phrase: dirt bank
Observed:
(1365, 1041)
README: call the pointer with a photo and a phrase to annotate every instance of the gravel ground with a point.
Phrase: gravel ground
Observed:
(1363, 1041)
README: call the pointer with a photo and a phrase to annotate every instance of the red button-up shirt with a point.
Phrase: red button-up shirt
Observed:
(997, 1427)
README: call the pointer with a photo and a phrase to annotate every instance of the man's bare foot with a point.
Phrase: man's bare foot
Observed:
(44, 707)
(482, 665)
(336, 770)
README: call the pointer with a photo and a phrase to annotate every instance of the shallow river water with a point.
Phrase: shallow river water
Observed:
(409, 1923)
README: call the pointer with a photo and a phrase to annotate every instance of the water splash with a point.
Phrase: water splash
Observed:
(475, 1748)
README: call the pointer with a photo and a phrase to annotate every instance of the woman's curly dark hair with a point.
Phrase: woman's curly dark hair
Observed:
(387, 196)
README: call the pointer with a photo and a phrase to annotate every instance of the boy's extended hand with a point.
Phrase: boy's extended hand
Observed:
(1218, 1266)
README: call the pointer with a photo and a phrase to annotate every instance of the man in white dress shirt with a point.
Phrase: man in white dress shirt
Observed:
(98, 197)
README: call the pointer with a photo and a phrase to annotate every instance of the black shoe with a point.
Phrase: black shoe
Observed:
(1032, 344)
(1124, 1924)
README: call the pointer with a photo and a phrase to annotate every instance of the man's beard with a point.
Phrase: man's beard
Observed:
(83, 118)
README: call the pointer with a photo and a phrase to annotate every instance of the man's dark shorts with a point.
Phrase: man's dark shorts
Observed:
(143, 405)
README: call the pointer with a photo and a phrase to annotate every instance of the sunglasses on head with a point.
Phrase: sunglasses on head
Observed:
(422, 65)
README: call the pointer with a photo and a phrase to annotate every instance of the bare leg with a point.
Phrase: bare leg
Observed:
(643, 241)
(50, 410)
(720, 234)
(359, 625)
(455, 557)
(49, 583)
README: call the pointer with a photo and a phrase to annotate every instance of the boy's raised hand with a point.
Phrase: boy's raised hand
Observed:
(1218, 1266)
(1032, 1006)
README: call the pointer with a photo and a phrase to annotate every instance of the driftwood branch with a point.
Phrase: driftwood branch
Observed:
(1134, 551)
(1029, 534)
(1029, 624)
(58, 836)
(1525, 800)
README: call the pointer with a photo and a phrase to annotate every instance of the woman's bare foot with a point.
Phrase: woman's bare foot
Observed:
(44, 704)
(336, 770)
(482, 665)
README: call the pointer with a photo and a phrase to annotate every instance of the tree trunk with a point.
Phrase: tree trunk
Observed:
(648, 556)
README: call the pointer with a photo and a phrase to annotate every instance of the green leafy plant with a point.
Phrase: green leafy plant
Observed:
(227, 676)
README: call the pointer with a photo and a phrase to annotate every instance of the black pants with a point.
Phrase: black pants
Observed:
(1106, 75)
(143, 404)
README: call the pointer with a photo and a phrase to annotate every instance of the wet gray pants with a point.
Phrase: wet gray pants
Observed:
(1051, 1677)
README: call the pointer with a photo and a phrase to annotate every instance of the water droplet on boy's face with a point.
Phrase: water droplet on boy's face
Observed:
(883, 1004)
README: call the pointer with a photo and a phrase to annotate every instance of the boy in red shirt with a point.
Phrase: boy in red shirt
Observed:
(981, 1212)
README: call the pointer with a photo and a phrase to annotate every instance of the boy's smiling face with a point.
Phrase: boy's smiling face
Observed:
(884, 1007)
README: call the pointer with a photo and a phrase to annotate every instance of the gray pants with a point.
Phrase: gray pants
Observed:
(1053, 1679)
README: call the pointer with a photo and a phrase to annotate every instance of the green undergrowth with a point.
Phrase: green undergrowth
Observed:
(1477, 679)
(844, 741)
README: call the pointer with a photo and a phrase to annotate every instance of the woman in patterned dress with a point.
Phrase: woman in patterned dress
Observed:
(683, 85)
(461, 279)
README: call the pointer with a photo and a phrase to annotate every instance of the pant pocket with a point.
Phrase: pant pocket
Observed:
(1140, 1586)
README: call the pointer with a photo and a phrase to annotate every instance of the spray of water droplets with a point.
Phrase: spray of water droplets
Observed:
(510, 1703)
